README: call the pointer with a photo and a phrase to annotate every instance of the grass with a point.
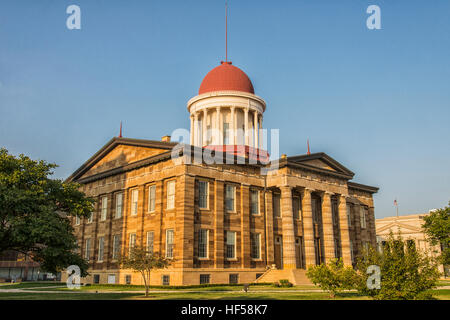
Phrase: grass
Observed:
(26, 285)
(210, 288)
(63, 296)
(211, 292)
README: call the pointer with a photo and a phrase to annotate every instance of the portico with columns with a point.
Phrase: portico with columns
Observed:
(328, 223)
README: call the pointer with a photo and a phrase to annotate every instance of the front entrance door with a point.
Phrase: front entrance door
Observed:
(299, 252)
(279, 252)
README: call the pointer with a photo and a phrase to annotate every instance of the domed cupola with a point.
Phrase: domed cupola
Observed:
(226, 111)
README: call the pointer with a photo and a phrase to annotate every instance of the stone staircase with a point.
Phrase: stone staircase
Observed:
(295, 276)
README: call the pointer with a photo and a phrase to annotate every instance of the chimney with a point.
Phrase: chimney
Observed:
(165, 139)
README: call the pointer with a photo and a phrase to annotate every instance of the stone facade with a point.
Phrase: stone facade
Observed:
(294, 216)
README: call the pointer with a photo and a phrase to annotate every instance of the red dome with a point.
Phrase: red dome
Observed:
(226, 77)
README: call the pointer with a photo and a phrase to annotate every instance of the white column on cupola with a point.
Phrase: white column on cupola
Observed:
(246, 139)
(204, 128)
(255, 128)
(192, 130)
(261, 136)
(196, 131)
(233, 126)
(218, 125)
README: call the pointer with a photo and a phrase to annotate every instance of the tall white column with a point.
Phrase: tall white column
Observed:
(255, 128)
(218, 126)
(196, 133)
(261, 137)
(233, 127)
(246, 142)
(192, 130)
(205, 111)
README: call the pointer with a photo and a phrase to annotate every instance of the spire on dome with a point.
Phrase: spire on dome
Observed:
(226, 31)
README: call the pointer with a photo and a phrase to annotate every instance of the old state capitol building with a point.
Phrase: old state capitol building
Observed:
(220, 223)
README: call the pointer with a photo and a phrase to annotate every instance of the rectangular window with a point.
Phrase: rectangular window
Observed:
(276, 204)
(234, 278)
(87, 249)
(134, 201)
(203, 243)
(119, 205)
(128, 279)
(132, 242)
(151, 198)
(231, 245)
(150, 237)
(204, 278)
(104, 208)
(171, 194)
(90, 217)
(101, 248)
(96, 278)
(255, 243)
(254, 201)
(169, 243)
(349, 214)
(165, 280)
(77, 220)
(226, 133)
(229, 197)
(116, 247)
(203, 194)
(362, 212)
(296, 207)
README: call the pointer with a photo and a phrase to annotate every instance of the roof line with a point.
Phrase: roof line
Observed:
(363, 187)
(111, 144)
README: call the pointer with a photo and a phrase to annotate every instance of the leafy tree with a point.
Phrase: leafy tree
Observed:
(35, 211)
(406, 272)
(143, 261)
(437, 228)
(333, 277)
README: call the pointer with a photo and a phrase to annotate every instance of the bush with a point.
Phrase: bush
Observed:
(406, 273)
(283, 283)
(332, 277)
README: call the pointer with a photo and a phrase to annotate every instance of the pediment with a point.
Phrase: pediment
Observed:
(120, 152)
(395, 226)
(320, 161)
(319, 164)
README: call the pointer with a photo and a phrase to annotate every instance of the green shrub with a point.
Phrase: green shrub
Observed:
(406, 272)
(332, 277)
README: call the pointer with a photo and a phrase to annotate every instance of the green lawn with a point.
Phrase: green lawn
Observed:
(116, 292)
(26, 285)
(114, 288)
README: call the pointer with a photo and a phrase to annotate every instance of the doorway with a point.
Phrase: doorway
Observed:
(278, 252)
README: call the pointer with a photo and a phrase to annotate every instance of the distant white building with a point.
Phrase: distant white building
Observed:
(410, 227)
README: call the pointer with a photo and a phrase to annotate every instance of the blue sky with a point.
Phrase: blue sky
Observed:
(378, 101)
